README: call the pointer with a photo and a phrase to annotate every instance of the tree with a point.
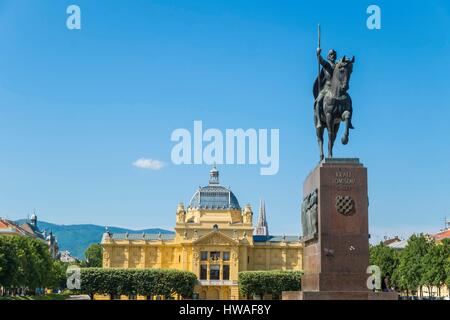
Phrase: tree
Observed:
(25, 263)
(9, 262)
(408, 275)
(58, 277)
(41, 264)
(384, 257)
(447, 268)
(94, 256)
(434, 263)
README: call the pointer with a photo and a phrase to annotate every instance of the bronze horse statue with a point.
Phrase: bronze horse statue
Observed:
(336, 106)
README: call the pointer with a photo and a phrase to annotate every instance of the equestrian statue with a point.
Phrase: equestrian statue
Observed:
(332, 103)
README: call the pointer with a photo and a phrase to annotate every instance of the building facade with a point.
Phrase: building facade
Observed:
(213, 238)
(30, 229)
(66, 257)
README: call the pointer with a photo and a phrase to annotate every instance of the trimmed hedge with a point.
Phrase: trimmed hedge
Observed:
(146, 282)
(268, 282)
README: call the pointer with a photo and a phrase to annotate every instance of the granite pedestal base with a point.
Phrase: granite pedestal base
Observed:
(339, 295)
(336, 246)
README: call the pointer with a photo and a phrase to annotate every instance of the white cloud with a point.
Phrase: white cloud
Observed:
(149, 164)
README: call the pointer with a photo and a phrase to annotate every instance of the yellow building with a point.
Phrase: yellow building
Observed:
(214, 238)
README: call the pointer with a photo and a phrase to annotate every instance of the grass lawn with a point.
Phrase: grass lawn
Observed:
(44, 297)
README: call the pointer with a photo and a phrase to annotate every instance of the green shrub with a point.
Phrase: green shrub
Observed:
(268, 282)
(145, 282)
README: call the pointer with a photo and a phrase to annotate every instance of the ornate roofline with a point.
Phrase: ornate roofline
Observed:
(216, 233)
(211, 191)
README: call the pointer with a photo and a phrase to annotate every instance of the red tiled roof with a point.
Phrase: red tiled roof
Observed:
(442, 235)
(4, 224)
(10, 227)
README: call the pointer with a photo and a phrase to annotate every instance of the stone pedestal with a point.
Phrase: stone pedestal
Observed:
(336, 250)
(339, 295)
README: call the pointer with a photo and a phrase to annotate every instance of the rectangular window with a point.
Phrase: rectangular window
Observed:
(214, 272)
(203, 272)
(204, 255)
(226, 272)
(214, 255)
(226, 256)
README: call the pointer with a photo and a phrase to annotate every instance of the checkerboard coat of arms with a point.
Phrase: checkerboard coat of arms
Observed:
(345, 205)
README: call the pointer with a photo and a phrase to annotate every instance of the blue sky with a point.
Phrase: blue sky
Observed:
(77, 108)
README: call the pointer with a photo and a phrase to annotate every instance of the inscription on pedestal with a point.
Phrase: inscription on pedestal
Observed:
(344, 180)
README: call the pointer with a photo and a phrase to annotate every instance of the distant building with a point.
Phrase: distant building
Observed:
(30, 229)
(438, 237)
(443, 234)
(398, 245)
(395, 243)
(64, 256)
(10, 228)
(214, 238)
(388, 241)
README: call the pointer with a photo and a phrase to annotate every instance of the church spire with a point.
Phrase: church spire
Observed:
(262, 229)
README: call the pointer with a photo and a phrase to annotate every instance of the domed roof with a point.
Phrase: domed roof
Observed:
(214, 196)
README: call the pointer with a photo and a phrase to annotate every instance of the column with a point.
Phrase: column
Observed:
(234, 293)
(126, 253)
(196, 261)
(244, 261)
(267, 258)
(159, 256)
(143, 256)
(221, 267)
(284, 258)
(184, 264)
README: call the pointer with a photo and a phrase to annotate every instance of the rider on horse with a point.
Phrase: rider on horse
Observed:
(324, 79)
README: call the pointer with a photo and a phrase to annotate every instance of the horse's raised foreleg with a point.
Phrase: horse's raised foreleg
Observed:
(346, 117)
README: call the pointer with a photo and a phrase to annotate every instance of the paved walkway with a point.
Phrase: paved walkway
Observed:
(79, 297)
